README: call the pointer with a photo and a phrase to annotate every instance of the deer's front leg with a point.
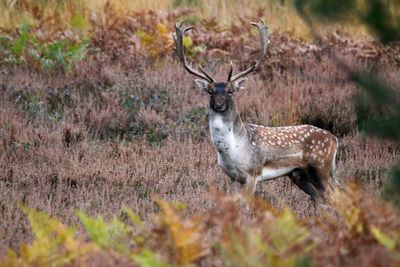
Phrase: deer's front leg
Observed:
(250, 185)
(245, 187)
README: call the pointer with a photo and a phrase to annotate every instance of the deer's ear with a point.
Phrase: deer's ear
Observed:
(202, 84)
(239, 84)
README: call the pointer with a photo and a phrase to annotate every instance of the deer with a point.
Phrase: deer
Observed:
(249, 153)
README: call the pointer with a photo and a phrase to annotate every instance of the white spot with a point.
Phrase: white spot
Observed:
(298, 154)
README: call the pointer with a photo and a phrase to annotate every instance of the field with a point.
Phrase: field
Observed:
(105, 151)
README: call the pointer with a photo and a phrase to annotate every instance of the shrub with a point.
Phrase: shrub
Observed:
(26, 48)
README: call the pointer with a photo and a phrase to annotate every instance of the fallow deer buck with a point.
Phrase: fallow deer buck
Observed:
(250, 153)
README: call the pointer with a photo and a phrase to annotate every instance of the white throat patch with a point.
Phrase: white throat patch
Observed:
(230, 146)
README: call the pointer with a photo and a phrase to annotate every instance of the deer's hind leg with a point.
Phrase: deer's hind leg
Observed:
(308, 181)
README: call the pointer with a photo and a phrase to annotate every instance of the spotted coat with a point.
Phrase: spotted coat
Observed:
(249, 153)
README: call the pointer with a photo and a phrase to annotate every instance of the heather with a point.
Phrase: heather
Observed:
(105, 153)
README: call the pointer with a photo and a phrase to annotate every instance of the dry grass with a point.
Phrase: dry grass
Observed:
(281, 15)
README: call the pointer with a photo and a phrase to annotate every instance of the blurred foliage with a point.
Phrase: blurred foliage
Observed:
(156, 41)
(187, 3)
(391, 190)
(377, 104)
(269, 238)
(106, 235)
(54, 244)
(378, 107)
(359, 224)
(186, 237)
(381, 17)
(149, 259)
(332, 9)
(283, 242)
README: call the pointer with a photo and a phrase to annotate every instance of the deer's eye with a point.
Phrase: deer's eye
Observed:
(230, 93)
(210, 91)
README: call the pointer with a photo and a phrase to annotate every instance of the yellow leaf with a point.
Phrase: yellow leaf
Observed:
(162, 29)
(187, 42)
(53, 242)
(186, 235)
(383, 238)
(351, 214)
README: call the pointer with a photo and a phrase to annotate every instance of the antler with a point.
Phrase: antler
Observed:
(264, 32)
(178, 38)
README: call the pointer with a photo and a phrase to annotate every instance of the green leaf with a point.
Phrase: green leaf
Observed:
(53, 242)
(133, 217)
(149, 259)
(383, 239)
(304, 262)
(380, 21)
(18, 45)
(112, 235)
(187, 42)
(327, 10)
(78, 22)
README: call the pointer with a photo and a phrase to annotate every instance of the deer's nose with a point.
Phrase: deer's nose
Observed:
(219, 106)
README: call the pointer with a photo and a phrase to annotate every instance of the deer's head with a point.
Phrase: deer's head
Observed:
(221, 93)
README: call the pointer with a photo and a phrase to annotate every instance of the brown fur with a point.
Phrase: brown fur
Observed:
(310, 149)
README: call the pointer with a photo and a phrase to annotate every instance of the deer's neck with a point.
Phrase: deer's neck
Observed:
(227, 130)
